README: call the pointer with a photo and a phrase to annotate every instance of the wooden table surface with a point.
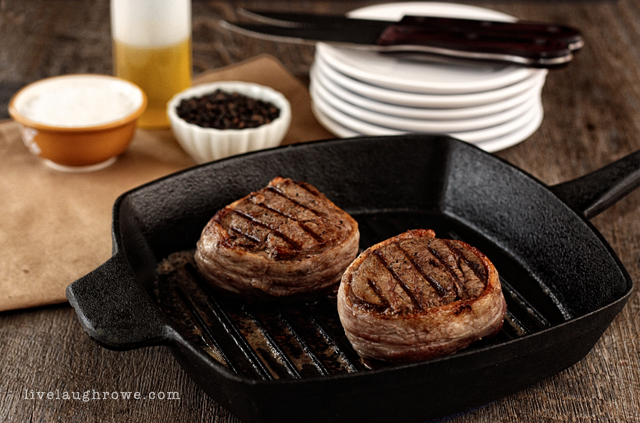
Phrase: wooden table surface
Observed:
(592, 117)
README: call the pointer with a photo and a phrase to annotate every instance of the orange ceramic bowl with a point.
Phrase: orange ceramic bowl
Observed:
(78, 122)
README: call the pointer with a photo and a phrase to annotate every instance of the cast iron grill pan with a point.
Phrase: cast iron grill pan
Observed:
(292, 362)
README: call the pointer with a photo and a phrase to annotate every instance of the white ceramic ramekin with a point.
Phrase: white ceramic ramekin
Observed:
(208, 144)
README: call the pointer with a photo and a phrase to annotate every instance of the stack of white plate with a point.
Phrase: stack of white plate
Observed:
(357, 92)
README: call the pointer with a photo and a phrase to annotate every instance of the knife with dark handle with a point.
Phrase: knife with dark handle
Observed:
(525, 43)
(516, 30)
(464, 44)
(521, 29)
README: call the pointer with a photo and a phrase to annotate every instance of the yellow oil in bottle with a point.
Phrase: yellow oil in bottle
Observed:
(161, 72)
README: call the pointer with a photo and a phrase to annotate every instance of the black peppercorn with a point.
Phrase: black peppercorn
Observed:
(223, 110)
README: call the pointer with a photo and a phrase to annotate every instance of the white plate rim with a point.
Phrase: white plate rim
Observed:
(352, 123)
(334, 127)
(501, 130)
(490, 146)
(514, 137)
(317, 92)
(477, 136)
(422, 112)
(426, 100)
(342, 59)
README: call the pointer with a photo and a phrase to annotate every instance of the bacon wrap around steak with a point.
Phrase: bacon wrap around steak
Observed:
(287, 240)
(414, 297)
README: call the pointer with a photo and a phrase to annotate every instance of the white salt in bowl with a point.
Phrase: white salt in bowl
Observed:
(80, 122)
(208, 144)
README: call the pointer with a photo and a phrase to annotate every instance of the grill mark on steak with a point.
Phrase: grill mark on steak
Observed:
(300, 194)
(251, 237)
(405, 287)
(457, 283)
(421, 274)
(274, 229)
(437, 286)
(284, 220)
(303, 226)
(240, 230)
(440, 291)
(295, 217)
(476, 282)
(282, 194)
(378, 292)
(478, 270)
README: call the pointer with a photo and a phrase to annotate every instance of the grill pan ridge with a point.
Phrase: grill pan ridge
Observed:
(292, 362)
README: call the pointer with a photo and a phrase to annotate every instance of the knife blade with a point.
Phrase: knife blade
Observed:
(518, 29)
(537, 45)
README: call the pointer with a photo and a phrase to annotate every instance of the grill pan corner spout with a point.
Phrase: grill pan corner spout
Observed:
(591, 194)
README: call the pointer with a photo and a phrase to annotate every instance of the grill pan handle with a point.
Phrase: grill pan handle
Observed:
(591, 194)
(114, 309)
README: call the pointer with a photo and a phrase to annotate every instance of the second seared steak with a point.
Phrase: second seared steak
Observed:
(415, 296)
(287, 240)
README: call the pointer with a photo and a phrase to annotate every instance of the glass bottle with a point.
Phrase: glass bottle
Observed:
(152, 48)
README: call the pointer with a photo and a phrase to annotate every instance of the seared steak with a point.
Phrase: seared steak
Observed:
(415, 296)
(286, 240)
